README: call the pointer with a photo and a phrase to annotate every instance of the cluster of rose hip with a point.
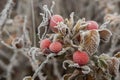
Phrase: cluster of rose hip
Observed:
(80, 57)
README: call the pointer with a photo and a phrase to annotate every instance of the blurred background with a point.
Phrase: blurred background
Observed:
(89, 9)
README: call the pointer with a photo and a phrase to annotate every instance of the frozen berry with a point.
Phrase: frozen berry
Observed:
(44, 44)
(92, 25)
(55, 47)
(55, 19)
(80, 57)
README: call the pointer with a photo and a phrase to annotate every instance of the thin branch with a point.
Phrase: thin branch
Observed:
(33, 21)
(51, 9)
(5, 13)
(3, 65)
(56, 70)
(26, 34)
(2, 53)
(42, 65)
(10, 66)
(46, 16)
(33, 64)
(5, 44)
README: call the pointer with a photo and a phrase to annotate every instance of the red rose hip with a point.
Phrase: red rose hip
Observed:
(45, 43)
(92, 25)
(80, 57)
(55, 47)
(55, 19)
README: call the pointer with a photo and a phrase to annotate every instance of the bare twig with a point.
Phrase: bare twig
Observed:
(46, 16)
(33, 21)
(42, 65)
(5, 44)
(26, 37)
(2, 53)
(4, 14)
(10, 66)
(3, 65)
(56, 70)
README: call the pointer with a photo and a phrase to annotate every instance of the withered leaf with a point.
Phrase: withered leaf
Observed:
(27, 78)
(75, 65)
(105, 35)
(104, 56)
(70, 22)
(89, 77)
(117, 55)
(77, 26)
(68, 62)
(74, 75)
(63, 29)
(113, 66)
(102, 64)
(91, 41)
(66, 76)
(85, 69)
(80, 25)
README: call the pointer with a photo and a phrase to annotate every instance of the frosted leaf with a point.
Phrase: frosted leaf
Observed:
(71, 76)
(80, 25)
(27, 78)
(104, 56)
(67, 61)
(91, 41)
(105, 35)
(117, 55)
(74, 75)
(70, 22)
(76, 65)
(62, 28)
(85, 69)
(66, 76)
(113, 66)
(102, 64)
(77, 26)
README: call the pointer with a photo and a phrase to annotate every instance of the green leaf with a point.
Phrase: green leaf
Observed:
(102, 64)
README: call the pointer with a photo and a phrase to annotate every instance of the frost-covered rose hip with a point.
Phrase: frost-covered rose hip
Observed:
(80, 57)
(45, 43)
(55, 19)
(92, 25)
(55, 47)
